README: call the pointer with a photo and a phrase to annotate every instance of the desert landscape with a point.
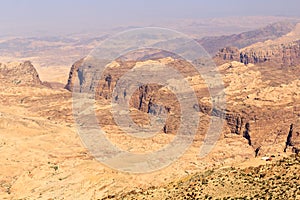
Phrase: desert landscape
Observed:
(251, 140)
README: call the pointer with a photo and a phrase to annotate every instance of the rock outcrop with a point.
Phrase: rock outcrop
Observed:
(73, 75)
(283, 55)
(153, 99)
(19, 74)
(280, 52)
(293, 139)
(227, 54)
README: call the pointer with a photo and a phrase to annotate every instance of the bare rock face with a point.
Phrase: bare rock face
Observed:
(262, 105)
(19, 74)
(73, 75)
(283, 55)
(280, 52)
(151, 99)
(125, 62)
(293, 139)
(227, 54)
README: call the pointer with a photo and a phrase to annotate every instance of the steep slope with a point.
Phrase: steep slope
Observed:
(261, 103)
(73, 75)
(276, 180)
(280, 52)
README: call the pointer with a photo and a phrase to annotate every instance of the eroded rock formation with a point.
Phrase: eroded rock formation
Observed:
(73, 75)
(293, 139)
(19, 74)
(284, 55)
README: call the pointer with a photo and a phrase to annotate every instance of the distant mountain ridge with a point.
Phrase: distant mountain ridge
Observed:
(281, 52)
(269, 32)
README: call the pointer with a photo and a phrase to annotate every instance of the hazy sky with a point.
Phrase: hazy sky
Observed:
(54, 16)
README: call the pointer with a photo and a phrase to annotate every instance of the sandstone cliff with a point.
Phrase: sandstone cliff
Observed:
(260, 80)
(280, 52)
(283, 55)
(260, 103)
(73, 75)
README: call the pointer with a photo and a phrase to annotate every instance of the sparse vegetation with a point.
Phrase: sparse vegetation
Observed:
(278, 180)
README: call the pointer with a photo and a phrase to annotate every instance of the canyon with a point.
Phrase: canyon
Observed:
(42, 150)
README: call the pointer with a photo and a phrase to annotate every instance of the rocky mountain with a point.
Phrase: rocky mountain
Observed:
(280, 52)
(283, 55)
(19, 74)
(261, 104)
(277, 63)
(269, 32)
(260, 108)
(40, 147)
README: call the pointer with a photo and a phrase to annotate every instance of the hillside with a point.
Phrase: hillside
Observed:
(275, 180)
(269, 32)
